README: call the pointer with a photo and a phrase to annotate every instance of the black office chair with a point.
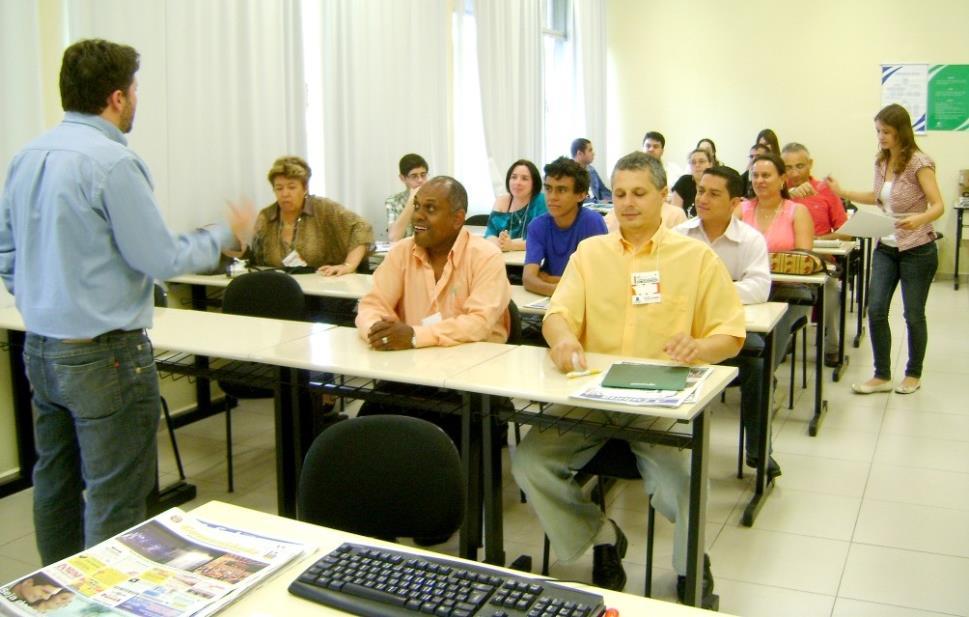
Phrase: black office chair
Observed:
(384, 477)
(476, 220)
(615, 460)
(265, 293)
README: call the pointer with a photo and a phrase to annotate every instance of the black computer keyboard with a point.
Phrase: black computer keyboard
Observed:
(373, 582)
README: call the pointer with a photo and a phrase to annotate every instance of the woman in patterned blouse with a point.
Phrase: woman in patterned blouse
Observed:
(906, 188)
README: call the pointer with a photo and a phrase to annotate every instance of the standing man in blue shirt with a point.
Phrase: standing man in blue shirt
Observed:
(553, 237)
(81, 240)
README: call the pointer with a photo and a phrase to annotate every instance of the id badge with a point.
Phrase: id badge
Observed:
(645, 286)
(293, 260)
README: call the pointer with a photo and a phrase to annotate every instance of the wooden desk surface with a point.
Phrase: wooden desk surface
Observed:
(528, 372)
(272, 598)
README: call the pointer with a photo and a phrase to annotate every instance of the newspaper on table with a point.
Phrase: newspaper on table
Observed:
(172, 565)
(647, 398)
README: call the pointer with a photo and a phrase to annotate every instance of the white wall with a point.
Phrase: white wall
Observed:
(810, 71)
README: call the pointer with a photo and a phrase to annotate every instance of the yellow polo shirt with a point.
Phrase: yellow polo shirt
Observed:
(595, 293)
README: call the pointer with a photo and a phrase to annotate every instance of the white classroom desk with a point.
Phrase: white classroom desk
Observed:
(341, 350)
(234, 337)
(514, 258)
(352, 286)
(842, 253)
(272, 597)
(527, 372)
(816, 280)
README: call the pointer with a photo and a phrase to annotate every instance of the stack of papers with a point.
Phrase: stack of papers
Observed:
(173, 565)
(868, 222)
(644, 397)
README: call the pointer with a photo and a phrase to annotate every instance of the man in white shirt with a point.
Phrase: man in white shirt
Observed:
(744, 251)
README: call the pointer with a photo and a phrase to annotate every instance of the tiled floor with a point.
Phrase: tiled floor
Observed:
(869, 518)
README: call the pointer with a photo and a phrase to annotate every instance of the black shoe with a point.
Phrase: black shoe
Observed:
(831, 360)
(607, 569)
(708, 598)
(773, 469)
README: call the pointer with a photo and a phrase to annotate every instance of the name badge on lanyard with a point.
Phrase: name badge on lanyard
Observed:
(645, 287)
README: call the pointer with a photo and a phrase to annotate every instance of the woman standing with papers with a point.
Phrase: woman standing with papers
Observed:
(906, 188)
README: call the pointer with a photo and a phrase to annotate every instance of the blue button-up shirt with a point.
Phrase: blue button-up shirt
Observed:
(597, 188)
(81, 236)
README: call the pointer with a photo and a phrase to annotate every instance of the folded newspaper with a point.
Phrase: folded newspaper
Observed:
(647, 398)
(172, 565)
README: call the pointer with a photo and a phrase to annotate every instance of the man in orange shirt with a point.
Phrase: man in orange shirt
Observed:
(441, 287)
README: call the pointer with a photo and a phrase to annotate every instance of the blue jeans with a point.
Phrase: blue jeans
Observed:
(95, 415)
(915, 269)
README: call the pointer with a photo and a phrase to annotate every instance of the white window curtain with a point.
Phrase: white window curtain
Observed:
(385, 93)
(509, 34)
(220, 94)
(589, 27)
(21, 105)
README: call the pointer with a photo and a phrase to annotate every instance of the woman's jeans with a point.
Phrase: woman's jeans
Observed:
(96, 408)
(915, 268)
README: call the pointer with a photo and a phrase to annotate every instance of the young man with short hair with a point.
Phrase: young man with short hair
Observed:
(654, 144)
(690, 315)
(553, 237)
(583, 153)
(400, 207)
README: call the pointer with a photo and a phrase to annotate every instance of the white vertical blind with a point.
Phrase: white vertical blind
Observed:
(509, 34)
(220, 94)
(21, 105)
(384, 76)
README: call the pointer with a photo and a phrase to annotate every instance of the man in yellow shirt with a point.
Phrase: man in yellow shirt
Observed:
(684, 308)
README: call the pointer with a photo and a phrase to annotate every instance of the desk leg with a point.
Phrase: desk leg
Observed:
(287, 432)
(862, 291)
(470, 534)
(842, 318)
(494, 532)
(764, 418)
(820, 405)
(955, 278)
(696, 545)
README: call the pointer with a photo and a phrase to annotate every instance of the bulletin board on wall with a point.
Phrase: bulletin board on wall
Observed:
(948, 97)
(936, 96)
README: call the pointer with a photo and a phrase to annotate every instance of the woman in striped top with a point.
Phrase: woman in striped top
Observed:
(906, 188)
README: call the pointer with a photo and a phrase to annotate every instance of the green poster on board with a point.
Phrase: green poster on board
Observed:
(948, 108)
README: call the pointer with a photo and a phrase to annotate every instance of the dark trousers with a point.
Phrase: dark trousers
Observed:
(751, 367)
(915, 269)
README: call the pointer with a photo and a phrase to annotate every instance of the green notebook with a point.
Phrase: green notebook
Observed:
(646, 376)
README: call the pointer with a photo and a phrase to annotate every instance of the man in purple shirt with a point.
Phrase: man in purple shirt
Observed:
(553, 237)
